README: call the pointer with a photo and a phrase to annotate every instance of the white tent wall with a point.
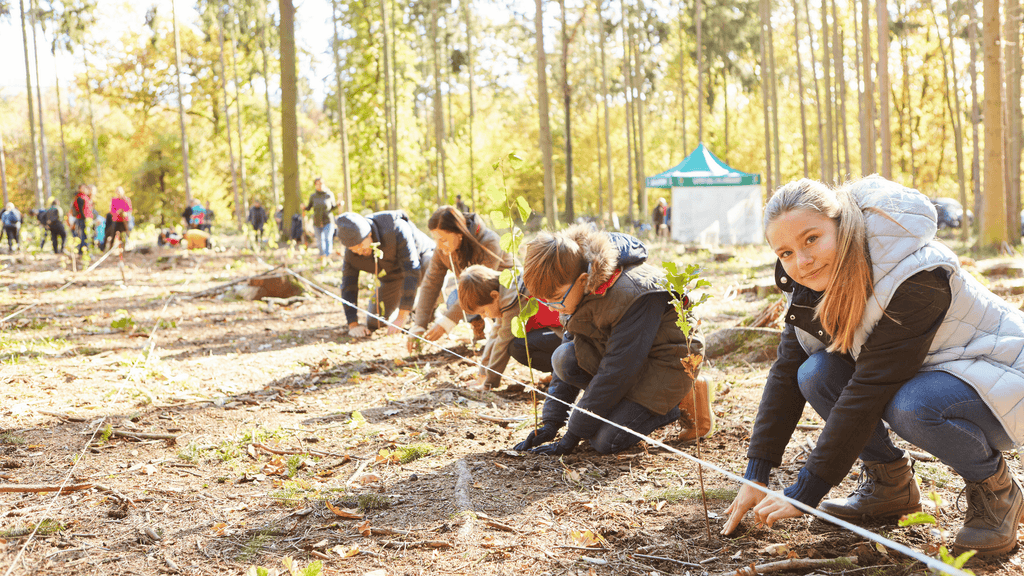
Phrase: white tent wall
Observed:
(714, 215)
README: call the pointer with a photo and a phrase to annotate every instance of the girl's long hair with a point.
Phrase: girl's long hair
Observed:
(451, 219)
(845, 297)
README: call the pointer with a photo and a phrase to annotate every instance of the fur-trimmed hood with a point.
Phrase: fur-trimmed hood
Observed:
(606, 252)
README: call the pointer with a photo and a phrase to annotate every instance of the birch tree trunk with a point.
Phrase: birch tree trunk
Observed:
(3, 169)
(392, 178)
(467, 5)
(227, 122)
(181, 111)
(885, 136)
(700, 71)
(37, 181)
(243, 208)
(682, 70)
(773, 81)
(550, 202)
(47, 190)
(993, 215)
(342, 129)
(264, 47)
(954, 107)
(840, 66)
(860, 85)
(638, 107)
(439, 137)
(628, 88)
(570, 215)
(63, 144)
(800, 83)
(607, 116)
(972, 39)
(765, 97)
(829, 169)
(817, 94)
(869, 164)
(1012, 56)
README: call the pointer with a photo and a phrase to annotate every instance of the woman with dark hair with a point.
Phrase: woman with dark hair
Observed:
(462, 241)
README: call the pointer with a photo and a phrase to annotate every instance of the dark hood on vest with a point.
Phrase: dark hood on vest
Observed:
(606, 253)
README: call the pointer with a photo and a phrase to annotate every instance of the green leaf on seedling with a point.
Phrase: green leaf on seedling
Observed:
(510, 241)
(958, 561)
(915, 518)
(500, 220)
(524, 209)
(518, 327)
(496, 166)
(377, 252)
(515, 161)
(507, 278)
(530, 309)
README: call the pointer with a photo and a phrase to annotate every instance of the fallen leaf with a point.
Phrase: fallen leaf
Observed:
(219, 527)
(775, 549)
(342, 513)
(346, 552)
(369, 478)
(149, 469)
(660, 505)
(586, 538)
(364, 528)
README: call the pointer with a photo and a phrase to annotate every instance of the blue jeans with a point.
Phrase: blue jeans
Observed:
(79, 232)
(934, 410)
(610, 439)
(325, 238)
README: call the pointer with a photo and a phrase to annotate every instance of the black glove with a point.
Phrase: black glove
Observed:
(566, 445)
(545, 433)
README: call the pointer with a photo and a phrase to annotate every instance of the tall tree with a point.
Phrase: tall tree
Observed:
(98, 166)
(628, 88)
(817, 95)
(949, 69)
(468, 8)
(570, 216)
(698, 14)
(392, 178)
(181, 108)
(342, 129)
(602, 35)
(885, 136)
(773, 81)
(47, 189)
(682, 69)
(3, 169)
(442, 184)
(766, 98)
(1012, 56)
(264, 48)
(227, 117)
(867, 146)
(993, 216)
(37, 185)
(639, 108)
(800, 84)
(243, 208)
(972, 39)
(837, 47)
(289, 117)
(829, 169)
(550, 202)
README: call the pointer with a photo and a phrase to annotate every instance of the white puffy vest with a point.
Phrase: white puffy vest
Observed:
(981, 339)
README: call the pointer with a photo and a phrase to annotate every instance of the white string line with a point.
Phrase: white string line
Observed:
(933, 563)
(81, 455)
(31, 306)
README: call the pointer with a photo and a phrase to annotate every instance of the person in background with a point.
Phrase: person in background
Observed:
(11, 219)
(405, 254)
(660, 219)
(459, 204)
(481, 292)
(120, 210)
(279, 218)
(462, 241)
(55, 225)
(197, 216)
(322, 203)
(622, 349)
(81, 212)
(40, 216)
(884, 327)
(208, 219)
(257, 218)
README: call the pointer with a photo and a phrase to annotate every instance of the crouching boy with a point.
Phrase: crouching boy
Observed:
(481, 292)
(622, 347)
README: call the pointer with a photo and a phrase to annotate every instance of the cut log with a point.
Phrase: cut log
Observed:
(280, 285)
(757, 342)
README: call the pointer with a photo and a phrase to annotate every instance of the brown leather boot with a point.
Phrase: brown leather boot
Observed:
(699, 422)
(994, 509)
(884, 491)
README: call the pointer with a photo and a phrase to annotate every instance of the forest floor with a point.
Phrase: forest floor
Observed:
(209, 434)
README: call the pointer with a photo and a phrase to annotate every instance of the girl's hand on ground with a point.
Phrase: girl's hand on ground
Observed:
(396, 327)
(747, 498)
(773, 509)
(358, 331)
(434, 333)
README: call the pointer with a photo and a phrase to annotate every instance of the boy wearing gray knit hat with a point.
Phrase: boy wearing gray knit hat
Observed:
(353, 229)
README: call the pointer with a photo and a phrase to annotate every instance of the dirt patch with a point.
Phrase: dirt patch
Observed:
(219, 433)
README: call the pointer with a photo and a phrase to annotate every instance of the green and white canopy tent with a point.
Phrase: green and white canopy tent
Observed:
(712, 203)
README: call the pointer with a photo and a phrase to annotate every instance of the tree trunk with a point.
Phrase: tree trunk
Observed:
(227, 123)
(817, 95)
(993, 215)
(829, 169)
(63, 143)
(1013, 118)
(700, 71)
(869, 164)
(47, 190)
(860, 86)
(628, 88)
(837, 46)
(243, 208)
(954, 112)
(682, 68)
(775, 98)
(800, 83)
(289, 120)
(181, 111)
(907, 110)
(570, 215)
(972, 39)
(607, 116)
(342, 132)
(394, 106)
(766, 97)
(392, 179)
(550, 202)
(638, 107)
(885, 136)
(3, 169)
(37, 184)
(467, 5)
(442, 184)
(265, 46)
